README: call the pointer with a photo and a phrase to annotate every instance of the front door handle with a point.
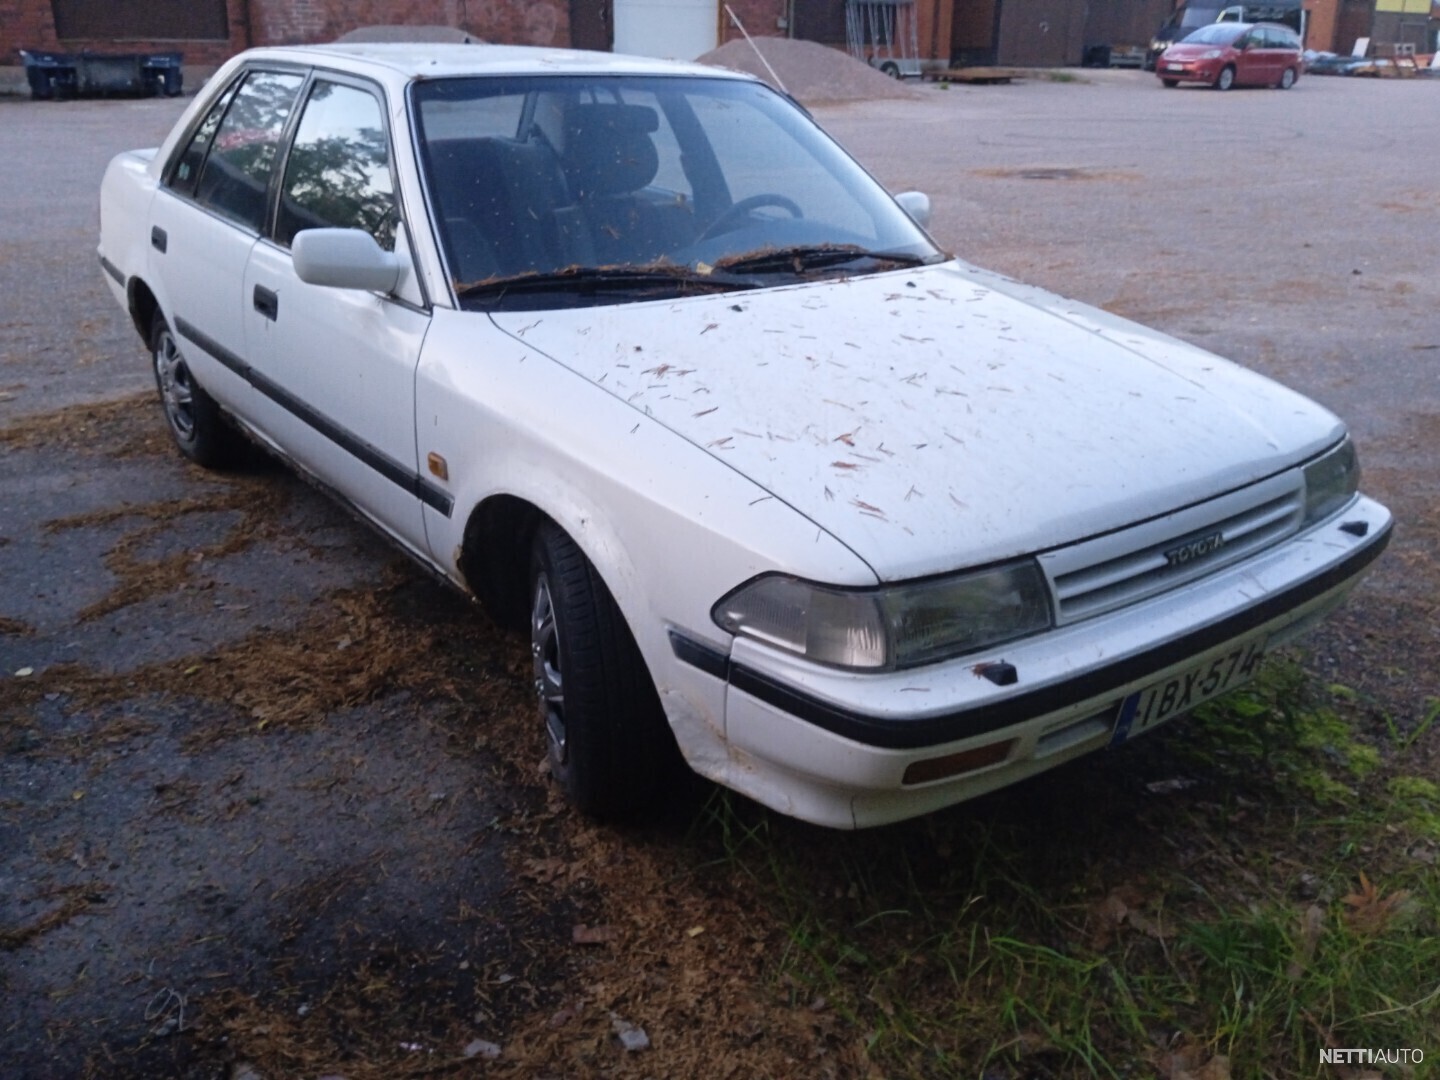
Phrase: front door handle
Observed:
(267, 302)
(158, 239)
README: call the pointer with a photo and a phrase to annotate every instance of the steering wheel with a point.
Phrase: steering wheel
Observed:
(730, 219)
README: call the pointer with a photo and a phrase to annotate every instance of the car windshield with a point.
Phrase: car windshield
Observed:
(1216, 34)
(579, 190)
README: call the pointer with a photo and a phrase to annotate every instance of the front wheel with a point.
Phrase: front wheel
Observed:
(610, 748)
(1169, 84)
(196, 423)
(1226, 79)
(1287, 78)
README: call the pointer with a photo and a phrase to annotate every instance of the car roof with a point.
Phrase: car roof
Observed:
(429, 60)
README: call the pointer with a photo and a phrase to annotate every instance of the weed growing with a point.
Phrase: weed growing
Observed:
(1283, 901)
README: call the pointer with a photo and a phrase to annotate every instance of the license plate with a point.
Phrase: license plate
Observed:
(1174, 67)
(1208, 678)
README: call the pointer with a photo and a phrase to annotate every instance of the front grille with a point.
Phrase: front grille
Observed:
(1124, 567)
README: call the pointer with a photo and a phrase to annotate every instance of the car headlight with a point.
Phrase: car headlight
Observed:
(1211, 54)
(1331, 481)
(893, 626)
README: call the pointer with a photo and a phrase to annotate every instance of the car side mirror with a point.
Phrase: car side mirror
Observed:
(917, 205)
(345, 259)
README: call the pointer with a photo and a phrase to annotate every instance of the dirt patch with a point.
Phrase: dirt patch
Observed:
(1055, 172)
(255, 503)
(73, 899)
(124, 428)
(812, 73)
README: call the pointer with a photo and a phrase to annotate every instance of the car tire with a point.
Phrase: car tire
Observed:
(196, 423)
(609, 745)
(890, 68)
(1287, 79)
(1169, 84)
(1226, 79)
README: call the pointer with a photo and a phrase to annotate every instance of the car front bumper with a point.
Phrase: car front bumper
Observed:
(845, 749)
(1190, 71)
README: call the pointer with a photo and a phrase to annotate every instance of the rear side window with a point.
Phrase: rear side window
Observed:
(236, 174)
(187, 170)
(338, 172)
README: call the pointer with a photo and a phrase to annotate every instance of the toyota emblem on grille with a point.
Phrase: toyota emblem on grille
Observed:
(1194, 549)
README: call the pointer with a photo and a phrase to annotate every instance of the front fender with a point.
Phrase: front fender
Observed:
(669, 528)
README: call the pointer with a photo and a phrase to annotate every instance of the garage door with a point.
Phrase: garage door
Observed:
(675, 29)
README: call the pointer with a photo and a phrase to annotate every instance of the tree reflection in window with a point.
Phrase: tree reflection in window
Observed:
(186, 173)
(237, 172)
(338, 174)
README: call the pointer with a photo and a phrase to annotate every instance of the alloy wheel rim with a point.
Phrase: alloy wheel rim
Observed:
(546, 654)
(177, 391)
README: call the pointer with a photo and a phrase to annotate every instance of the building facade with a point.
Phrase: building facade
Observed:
(959, 32)
(210, 31)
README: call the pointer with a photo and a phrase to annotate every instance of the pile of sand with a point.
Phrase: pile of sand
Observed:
(812, 73)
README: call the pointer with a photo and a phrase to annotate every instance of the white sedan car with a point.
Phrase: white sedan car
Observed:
(635, 354)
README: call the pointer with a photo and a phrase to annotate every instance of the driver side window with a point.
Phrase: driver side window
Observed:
(338, 171)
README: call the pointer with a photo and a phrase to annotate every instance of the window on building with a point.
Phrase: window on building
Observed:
(148, 20)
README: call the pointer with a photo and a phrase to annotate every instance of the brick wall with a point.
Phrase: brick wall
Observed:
(509, 22)
(24, 24)
(761, 18)
(29, 23)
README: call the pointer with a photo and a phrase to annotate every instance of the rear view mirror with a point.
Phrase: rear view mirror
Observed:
(345, 259)
(917, 205)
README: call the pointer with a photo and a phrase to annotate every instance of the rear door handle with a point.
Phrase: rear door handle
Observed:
(158, 240)
(267, 303)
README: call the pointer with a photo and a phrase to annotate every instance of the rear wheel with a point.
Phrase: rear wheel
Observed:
(196, 423)
(610, 747)
(1170, 84)
(1287, 78)
(1226, 79)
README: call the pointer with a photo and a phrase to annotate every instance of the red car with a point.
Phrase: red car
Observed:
(1234, 54)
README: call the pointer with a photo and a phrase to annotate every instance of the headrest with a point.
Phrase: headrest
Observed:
(608, 149)
(619, 119)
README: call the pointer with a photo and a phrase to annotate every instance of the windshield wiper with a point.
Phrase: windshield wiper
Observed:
(803, 258)
(588, 280)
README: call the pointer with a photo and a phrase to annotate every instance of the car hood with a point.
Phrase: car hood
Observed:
(943, 417)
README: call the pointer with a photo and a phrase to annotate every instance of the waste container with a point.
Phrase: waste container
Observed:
(51, 75)
(57, 76)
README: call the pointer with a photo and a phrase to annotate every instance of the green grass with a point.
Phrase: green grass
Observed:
(1079, 926)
